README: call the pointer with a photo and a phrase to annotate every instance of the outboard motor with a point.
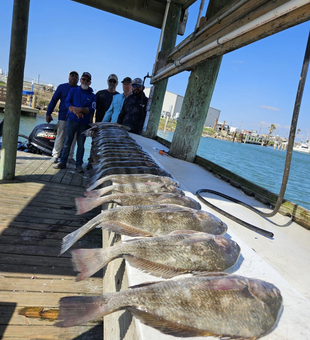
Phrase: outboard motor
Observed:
(42, 139)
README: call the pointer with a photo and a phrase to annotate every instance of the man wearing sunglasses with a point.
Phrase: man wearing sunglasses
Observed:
(81, 104)
(104, 97)
(117, 102)
(61, 94)
(103, 102)
(133, 111)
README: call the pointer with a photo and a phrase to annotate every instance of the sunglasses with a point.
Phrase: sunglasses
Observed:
(112, 81)
(136, 85)
(74, 75)
(84, 79)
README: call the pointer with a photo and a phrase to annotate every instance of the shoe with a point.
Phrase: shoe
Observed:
(80, 169)
(59, 166)
(71, 161)
(89, 167)
(54, 159)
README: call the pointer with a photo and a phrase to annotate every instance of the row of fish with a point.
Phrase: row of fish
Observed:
(176, 237)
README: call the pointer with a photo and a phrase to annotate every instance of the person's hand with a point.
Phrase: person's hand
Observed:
(48, 119)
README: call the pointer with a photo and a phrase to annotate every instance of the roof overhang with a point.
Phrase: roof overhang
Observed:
(149, 12)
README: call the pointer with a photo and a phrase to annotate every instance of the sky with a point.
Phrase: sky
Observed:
(256, 86)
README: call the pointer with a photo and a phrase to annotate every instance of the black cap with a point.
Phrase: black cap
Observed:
(126, 80)
(87, 74)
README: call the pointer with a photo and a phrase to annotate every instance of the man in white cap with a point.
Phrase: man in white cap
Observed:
(133, 111)
(104, 97)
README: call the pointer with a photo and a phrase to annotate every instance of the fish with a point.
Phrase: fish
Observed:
(84, 204)
(133, 178)
(165, 256)
(146, 187)
(148, 221)
(221, 305)
(125, 163)
(128, 170)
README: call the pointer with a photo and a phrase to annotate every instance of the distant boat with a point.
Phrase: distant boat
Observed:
(303, 147)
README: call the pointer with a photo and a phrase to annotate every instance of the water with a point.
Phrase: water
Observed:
(263, 166)
(28, 123)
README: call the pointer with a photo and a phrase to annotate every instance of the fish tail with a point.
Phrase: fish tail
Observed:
(95, 184)
(95, 193)
(88, 261)
(71, 238)
(84, 204)
(77, 310)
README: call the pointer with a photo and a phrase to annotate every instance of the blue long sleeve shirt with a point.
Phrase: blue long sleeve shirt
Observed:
(81, 98)
(112, 113)
(61, 94)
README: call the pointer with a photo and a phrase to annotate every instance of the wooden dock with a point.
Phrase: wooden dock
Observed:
(37, 210)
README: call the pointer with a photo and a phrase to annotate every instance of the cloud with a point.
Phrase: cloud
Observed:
(238, 61)
(278, 126)
(269, 108)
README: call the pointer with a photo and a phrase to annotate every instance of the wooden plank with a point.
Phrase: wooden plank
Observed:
(50, 227)
(93, 286)
(49, 332)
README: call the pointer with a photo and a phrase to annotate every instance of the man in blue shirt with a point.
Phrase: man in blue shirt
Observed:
(112, 113)
(81, 104)
(61, 94)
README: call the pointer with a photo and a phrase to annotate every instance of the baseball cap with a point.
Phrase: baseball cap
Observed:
(137, 81)
(73, 72)
(126, 80)
(87, 74)
(113, 76)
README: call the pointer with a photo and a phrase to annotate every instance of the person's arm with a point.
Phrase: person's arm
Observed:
(121, 115)
(52, 104)
(109, 112)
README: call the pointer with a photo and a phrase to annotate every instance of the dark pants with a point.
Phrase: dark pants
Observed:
(73, 127)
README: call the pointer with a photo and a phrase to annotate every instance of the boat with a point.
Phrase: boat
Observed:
(303, 147)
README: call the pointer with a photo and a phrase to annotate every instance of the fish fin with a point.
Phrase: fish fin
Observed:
(77, 310)
(97, 193)
(165, 326)
(89, 261)
(71, 238)
(182, 232)
(96, 184)
(172, 208)
(153, 268)
(124, 229)
(212, 274)
(196, 238)
(84, 204)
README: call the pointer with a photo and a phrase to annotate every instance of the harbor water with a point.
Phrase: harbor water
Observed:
(263, 166)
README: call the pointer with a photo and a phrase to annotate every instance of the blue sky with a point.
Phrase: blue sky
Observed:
(256, 86)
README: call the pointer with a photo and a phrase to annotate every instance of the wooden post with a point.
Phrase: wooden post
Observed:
(194, 110)
(196, 102)
(14, 88)
(169, 39)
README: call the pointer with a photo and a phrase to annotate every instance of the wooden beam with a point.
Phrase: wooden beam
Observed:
(288, 20)
(196, 102)
(169, 39)
(14, 88)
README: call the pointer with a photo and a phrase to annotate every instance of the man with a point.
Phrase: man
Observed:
(133, 111)
(112, 113)
(103, 102)
(104, 97)
(81, 104)
(61, 94)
